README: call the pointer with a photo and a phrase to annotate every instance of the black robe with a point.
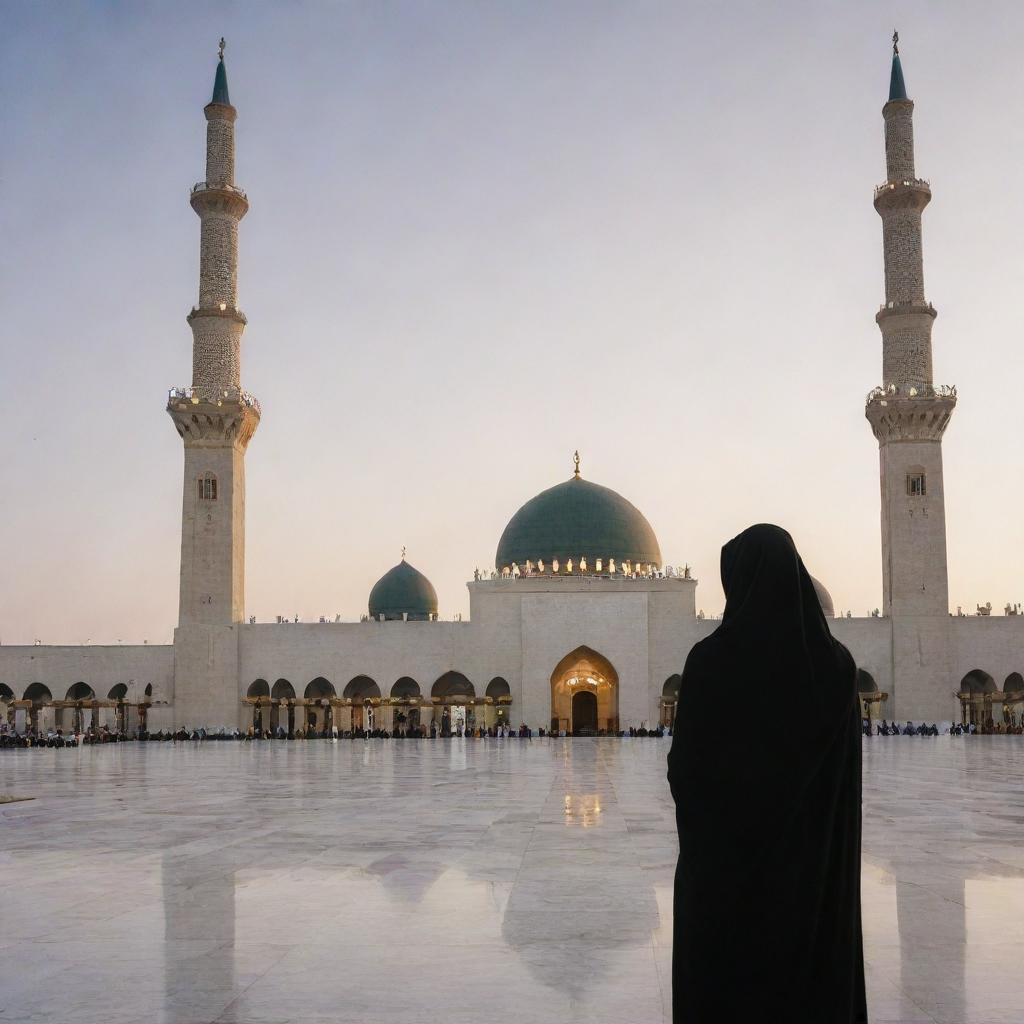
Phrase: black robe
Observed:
(767, 893)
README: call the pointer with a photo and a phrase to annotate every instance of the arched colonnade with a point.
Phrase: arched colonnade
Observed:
(452, 704)
(81, 708)
(984, 704)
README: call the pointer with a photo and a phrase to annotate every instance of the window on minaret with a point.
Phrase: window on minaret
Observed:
(207, 487)
(915, 485)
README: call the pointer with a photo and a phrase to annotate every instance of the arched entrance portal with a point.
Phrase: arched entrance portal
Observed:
(584, 671)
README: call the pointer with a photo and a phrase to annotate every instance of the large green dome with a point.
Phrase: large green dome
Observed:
(578, 519)
(403, 592)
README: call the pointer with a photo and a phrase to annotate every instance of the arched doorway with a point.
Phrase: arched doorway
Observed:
(407, 692)
(283, 693)
(456, 694)
(362, 691)
(119, 692)
(261, 714)
(870, 697)
(1013, 699)
(500, 693)
(669, 699)
(41, 698)
(79, 693)
(6, 700)
(976, 689)
(584, 671)
(318, 716)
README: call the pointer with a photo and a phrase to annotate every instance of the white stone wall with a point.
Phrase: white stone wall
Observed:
(212, 575)
(994, 644)
(102, 667)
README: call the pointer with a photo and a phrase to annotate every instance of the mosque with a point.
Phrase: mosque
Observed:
(580, 626)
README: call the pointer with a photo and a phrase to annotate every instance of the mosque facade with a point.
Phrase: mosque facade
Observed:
(581, 626)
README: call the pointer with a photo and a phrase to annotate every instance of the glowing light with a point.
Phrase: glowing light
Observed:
(223, 306)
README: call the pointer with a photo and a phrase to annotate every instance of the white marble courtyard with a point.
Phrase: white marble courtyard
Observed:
(456, 881)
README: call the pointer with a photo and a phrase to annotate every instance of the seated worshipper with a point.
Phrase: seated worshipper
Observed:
(767, 918)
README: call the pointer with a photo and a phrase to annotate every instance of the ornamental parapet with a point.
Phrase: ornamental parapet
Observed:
(891, 186)
(213, 396)
(909, 414)
(213, 417)
(222, 198)
(882, 393)
(203, 186)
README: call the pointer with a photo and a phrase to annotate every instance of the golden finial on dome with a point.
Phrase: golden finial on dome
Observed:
(576, 463)
(403, 552)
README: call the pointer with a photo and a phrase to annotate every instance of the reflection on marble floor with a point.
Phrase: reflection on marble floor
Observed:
(456, 881)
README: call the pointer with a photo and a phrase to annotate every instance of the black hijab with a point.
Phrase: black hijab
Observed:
(767, 895)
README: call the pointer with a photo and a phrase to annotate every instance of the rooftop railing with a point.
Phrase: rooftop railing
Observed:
(888, 186)
(214, 395)
(892, 391)
(205, 186)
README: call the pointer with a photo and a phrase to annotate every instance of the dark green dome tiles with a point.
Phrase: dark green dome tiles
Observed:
(578, 519)
(403, 591)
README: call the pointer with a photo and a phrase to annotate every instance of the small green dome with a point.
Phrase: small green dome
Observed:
(578, 519)
(403, 591)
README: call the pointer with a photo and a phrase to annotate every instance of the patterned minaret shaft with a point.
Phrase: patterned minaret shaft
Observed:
(216, 421)
(906, 319)
(908, 416)
(217, 323)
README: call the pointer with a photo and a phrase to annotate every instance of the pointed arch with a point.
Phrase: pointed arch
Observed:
(283, 690)
(498, 687)
(361, 687)
(866, 682)
(118, 692)
(452, 684)
(319, 688)
(1014, 683)
(6, 693)
(671, 687)
(406, 687)
(80, 691)
(978, 681)
(38, 693)
(584, 669)
(258, 688)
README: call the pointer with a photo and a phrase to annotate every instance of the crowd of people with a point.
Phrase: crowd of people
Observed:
(57, 738)
(989, 728)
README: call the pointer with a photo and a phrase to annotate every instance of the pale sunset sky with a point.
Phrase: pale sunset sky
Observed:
(483, 235)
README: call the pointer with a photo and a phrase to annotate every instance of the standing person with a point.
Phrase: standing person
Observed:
(767, 892)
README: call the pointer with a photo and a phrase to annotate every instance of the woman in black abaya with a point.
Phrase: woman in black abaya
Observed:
(767, 894)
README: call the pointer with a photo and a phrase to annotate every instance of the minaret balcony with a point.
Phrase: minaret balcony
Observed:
(910, 413)
(890, 310)
(221, 309)
(911, 193)
(182, 398)
(218, 198)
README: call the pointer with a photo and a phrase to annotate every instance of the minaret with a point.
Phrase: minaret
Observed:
(908, 415)
(216, 420)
